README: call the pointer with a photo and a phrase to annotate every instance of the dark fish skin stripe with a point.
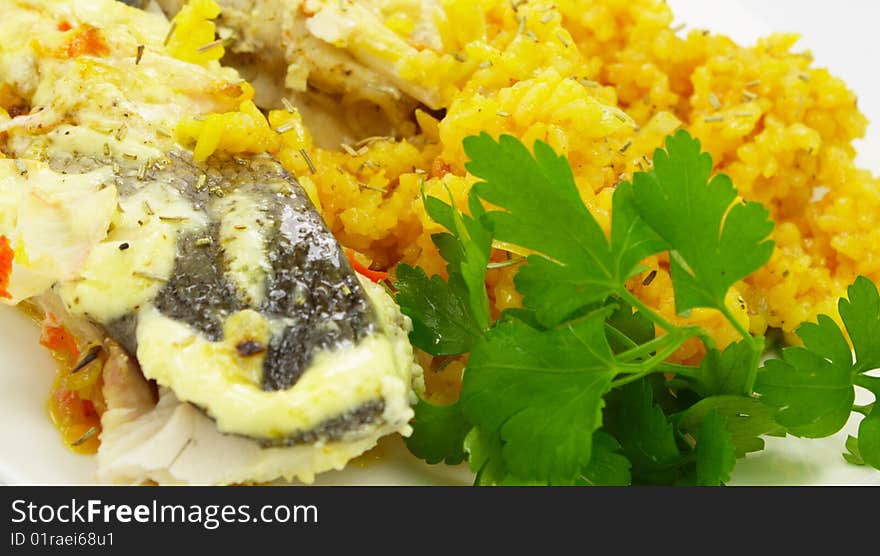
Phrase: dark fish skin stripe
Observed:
(312, 280)
(336, 428)
(198, 292)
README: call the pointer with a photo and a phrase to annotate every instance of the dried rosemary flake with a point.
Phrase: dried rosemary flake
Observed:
(142, 172)
(625, 147)
(121, 132)
(485, 64)
(200, 184)
(503, 114)
(240, 227)
(174, 218)
(547, 18)
(459, 57)
(649, 278)
(804, 77)
(372, 139)
(204, 242)
(91, 356)
(170, 33)
(505, 264)
(106, 149)
(140, 54)
(749, 96)
(129, 156)
(85, 438)
(713, 100)
(563, 40)
(19, 165)
(148, 209)
(210, 45)
(284, 128)
(713, 119)
(532, 36)
(148, 276)
(305, 154)
(371, 187)
(753, 84)
(347, 148)
(288, 105)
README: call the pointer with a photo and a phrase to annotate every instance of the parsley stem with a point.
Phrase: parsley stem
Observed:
(648, 366)
(651, 314)
(678, 370)
(871, 383)
(725, 310)
(676, 337)
(658, 319)
(757, 343)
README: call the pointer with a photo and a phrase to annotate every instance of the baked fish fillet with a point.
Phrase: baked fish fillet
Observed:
(349, 54)
(216, 280)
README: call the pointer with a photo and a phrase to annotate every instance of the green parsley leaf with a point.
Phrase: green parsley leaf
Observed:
(747, 420)
(484, 458)
(869, 439)
(814, 394)
(442, 321)
(486, 462)
(438, 433)
(715, 452)
(646, 435)
(725, 373)
(543, 211)
(541, 393)
(715, 242)
(853, 456)
(814, 384)
(607, 467)
(466, 250)
(628, 329)
(861, 315)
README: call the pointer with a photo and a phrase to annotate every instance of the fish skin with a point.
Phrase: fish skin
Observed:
(310, 284)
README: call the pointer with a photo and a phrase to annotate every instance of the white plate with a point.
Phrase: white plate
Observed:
(32, 451)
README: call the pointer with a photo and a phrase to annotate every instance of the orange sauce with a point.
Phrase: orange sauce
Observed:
(6, 256)
(87, 41)
(76, 400)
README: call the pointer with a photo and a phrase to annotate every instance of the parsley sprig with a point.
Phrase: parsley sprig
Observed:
(575, 387)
